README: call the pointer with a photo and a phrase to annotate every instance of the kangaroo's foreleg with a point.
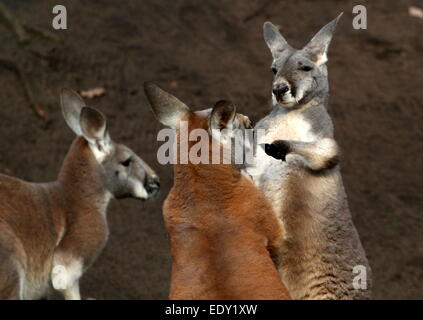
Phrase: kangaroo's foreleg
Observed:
(319, 155)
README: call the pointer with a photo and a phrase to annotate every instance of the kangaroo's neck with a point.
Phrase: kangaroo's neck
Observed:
(81, 180)
(217, 179)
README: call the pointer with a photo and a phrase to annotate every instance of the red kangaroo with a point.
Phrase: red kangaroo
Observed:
(221, 227)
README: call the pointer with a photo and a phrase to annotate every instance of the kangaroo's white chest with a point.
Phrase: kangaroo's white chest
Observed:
(269, 173)
(289, 126)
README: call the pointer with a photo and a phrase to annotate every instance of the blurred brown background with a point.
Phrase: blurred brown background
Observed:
(204, 51)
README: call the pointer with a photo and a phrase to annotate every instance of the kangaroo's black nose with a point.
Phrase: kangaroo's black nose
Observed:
(153, 184)
(280, 90)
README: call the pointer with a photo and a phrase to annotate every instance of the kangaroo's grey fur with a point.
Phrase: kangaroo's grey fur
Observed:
(321, 244)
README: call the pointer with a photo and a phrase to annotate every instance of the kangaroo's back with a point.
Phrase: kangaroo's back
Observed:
(228, 231)
(220, 225)
(27, 209)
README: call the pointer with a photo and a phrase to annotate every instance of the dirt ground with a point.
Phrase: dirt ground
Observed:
(205, 51)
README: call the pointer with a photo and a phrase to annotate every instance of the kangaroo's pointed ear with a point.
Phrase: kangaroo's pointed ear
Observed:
(318, 46)
(222, 115)
(221, 121)
(168, 109)
(94, 129)
(93, 125)
(72, 105)
(274, 39)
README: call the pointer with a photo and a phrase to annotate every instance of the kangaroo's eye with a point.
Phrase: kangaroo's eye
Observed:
(274, 70)
(306, 68)
(127, 162)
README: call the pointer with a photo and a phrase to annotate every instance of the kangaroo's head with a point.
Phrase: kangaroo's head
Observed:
(220, 125)
(300, 75)
(123, 173)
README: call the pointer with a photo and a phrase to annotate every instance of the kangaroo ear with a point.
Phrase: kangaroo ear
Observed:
(94, 130)
(72, 105)
(318, 46)
(93, 125)
(278, 149)
(167, 108)
(222, 115)
(274, 39)
(221, 122)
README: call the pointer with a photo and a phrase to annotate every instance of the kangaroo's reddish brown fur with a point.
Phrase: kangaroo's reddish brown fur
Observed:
(220, 228)
(36, 220)
(50, 233)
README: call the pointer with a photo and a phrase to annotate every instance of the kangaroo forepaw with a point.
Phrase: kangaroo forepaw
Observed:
(278, 149)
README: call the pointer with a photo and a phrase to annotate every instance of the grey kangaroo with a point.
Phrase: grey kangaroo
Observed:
(302, 178)
(50, 233)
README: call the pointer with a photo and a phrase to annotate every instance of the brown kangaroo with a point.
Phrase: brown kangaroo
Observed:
(50, 233)
(221, 227)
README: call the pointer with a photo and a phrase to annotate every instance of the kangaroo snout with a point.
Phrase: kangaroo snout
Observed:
(279, 90)
(284, 93)
(152, 185)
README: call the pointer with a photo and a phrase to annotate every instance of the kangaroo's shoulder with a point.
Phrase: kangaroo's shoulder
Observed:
(319, 119)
